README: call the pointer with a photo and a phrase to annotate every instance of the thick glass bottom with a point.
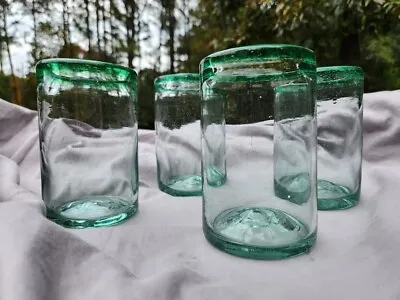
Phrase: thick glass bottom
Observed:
(295, 188)
(259, 233)
(190, 185)
(333, 196)
(96, 211)
(214, 177)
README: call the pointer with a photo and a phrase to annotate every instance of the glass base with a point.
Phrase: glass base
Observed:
(333, 196)
(296, 188)
(190, 185)
(96, 211)
(259, 233)
(214, 177)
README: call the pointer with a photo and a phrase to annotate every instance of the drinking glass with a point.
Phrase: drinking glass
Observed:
(259, 150)
(177, 123)
(339, 111)
(88, 141)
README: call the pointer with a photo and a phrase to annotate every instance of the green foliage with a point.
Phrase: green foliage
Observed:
(341, 32)
(382, 61)
(5, 88)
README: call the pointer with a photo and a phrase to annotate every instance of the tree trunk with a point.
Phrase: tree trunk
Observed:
(171, 33)
(87, 21)
(16, 95)
(1, 59)
(35, 43)
(130, 30)
(1, 48)
(103, 11)
(129, 41)
(64, 14)
(350, 49)
(112, 28)
(68, 29)
(157, 66)
(137, 40)
(187, 30)
(349, 52)
(97, 3)
(139, 13)
(133, 32)
(65, 31)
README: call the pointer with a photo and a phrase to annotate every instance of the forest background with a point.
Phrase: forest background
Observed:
(157, 37)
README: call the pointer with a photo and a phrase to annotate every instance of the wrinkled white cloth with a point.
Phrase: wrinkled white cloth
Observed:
(161, 252)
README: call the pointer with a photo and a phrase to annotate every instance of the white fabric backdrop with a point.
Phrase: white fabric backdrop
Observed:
(161, 252)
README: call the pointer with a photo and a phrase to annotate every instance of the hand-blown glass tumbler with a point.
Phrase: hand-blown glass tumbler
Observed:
(88, 141)
(177, 123)
(259, 150)
(339, 96)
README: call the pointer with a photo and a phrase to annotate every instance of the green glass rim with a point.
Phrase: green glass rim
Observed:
(185, 77)
(240, 57)
(292, 87)
(70, 69)
(256, 78)
(178, 82)
(339, 75)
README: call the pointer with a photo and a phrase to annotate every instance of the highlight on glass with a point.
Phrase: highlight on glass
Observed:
(259, 150)
(88, 141)
(339, 96)
(177, 124)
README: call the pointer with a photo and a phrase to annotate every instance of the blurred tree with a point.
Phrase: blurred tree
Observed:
(82, 21)
(8, 40)
(71, 51)
(331, 26)
(183, 50)
(146, 98)
(47, 41)
(29, 91)
(66, 33)
(218, 25)
(98, 20)
(209, 33)
(36, 9)
(115, 15)
(5, 88)
(168, 24)
(361, 32)
(105, 15)
(381, 61)
(130, 27)
(339, 31)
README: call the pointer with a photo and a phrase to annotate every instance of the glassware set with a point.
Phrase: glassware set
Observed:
(244, 133)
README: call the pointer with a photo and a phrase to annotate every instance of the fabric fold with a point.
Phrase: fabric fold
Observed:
(161, 252)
